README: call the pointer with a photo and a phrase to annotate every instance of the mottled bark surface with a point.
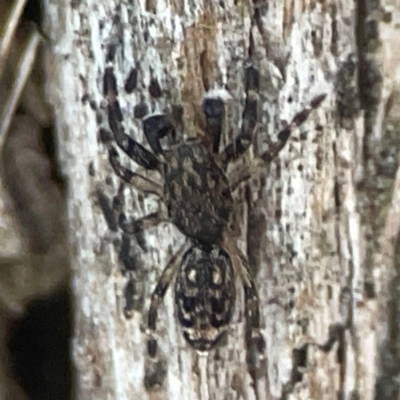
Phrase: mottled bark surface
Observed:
(320, 227)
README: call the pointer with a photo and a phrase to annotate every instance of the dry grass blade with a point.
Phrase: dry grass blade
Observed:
(10, 27)
(23, 72)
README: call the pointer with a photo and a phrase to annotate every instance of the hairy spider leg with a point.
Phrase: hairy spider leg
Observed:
(242, 172)
(131, 147)
(249, 122)
(131, 226)
(155, 128)
(158, 296)
(214, 111)
(284, 134)
(254, 337)
(249, 118)
(140, 182)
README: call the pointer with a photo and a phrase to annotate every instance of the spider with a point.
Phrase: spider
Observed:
(197, 192)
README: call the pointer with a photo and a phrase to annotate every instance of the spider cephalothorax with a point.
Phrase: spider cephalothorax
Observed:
(197, 193)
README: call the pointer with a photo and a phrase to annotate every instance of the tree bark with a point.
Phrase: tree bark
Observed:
(320, 227)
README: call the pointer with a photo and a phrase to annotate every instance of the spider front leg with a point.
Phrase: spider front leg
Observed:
(242, 173)
(158, 295)
(243, 141)
(249, 123)
(130, 146)
(155, 128)
(214, 111)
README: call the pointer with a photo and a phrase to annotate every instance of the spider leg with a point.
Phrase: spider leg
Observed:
(242, 173)
(249, 118)
(214, 111)
(131, 226)
(284, 134)
(131, 147)
(254, 338)
(255, 343)
(249, 125)
(134, 227)
(158, 295)
(138, 181)
(155, 128)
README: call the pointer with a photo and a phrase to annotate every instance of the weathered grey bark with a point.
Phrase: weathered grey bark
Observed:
(320, 228)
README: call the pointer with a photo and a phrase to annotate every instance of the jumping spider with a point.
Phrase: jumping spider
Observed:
(198, 195)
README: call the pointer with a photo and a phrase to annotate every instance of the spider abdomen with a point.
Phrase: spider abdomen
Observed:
(205, 296)
(197, 193)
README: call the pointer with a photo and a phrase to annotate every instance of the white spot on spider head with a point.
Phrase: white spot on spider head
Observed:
(218, 93)
(155, 114)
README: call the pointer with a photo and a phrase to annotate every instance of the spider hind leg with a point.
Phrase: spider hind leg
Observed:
(157, 297)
